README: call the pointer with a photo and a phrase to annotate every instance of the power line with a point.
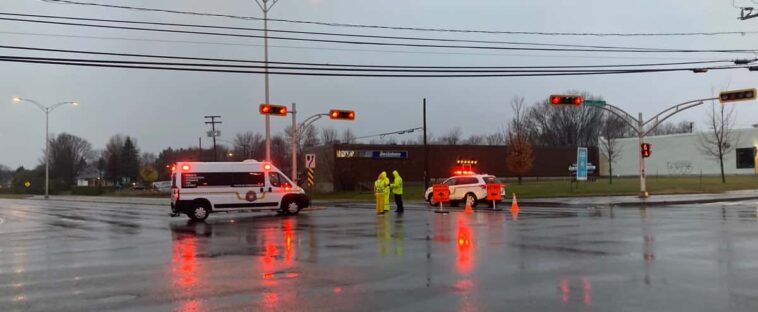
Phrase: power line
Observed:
(348, 49)
(95, 63)
(417, 45)
(332, 69)
(342, 65)
(322, 33)
(448, 30)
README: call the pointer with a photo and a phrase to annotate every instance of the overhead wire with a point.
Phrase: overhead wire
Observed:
(417, 45)
(322, 33)
(167, 66)
(174, 57)
(563, 56)
(449, 30)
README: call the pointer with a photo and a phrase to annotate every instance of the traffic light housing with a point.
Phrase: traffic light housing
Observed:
(342, 114)
(558, 99)
(737, 95)
(645, 149)
(277, 110)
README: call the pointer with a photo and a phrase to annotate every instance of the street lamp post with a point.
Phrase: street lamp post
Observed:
(46, 110)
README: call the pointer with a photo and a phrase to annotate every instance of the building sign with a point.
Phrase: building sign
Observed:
(372, 154)
(581, 164)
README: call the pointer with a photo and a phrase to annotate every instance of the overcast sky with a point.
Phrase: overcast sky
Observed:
(162, 108)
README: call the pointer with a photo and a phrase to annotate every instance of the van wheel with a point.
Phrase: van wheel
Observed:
(470, 199)
(291, 207)
(199, 211)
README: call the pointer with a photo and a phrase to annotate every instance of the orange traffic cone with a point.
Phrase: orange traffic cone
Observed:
(514, 206)
(468, 208)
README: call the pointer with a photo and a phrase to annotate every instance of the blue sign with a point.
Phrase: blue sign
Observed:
(581, 164)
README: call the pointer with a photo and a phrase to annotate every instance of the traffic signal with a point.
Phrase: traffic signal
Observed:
(342, 114)
(268, 109)
(737, 95)
(566, 100)
(645, 148)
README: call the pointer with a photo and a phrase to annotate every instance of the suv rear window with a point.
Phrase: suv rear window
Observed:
(228, 179)
(464, 181)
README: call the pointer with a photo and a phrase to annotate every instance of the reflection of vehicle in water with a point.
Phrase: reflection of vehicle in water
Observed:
(201, 188)
(264, 253)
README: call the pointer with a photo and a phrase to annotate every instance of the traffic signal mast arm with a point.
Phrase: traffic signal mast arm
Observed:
(673, 110)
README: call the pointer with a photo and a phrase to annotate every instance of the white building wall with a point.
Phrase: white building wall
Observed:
(679, 154)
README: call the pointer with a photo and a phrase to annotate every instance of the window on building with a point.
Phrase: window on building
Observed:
(746, 158)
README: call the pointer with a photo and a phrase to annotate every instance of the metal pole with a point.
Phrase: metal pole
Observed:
(47, 153)
(426, 152)
(294, 142)
(643, 187)
(265, 57)
(200, 150)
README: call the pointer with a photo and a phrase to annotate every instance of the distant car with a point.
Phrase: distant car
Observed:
(162, 186)
(137, 187)
(470, 189)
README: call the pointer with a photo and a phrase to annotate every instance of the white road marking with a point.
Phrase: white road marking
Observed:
(2, 220)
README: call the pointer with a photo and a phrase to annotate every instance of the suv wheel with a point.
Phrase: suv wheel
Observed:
(291, 207)
(431, 201)
(470, 199)
(199, 211)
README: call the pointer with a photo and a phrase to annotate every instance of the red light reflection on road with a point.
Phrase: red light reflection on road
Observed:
(587, 286)
(464, 243)
(565, 290)
(337, 290)
(184, 266)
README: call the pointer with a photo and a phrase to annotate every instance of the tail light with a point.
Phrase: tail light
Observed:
(483, 186)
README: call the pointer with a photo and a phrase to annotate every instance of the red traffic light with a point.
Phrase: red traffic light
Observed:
(566, 100)
(268, 109)
(342, 114)
(645, 149)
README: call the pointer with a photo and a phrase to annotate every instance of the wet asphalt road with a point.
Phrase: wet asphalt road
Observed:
(79, 256)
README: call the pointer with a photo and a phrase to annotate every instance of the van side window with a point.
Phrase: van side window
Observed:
(227, 179)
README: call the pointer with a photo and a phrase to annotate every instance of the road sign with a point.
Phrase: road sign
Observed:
(595, 103)
(581, 164)
(27, 184)
(310, 161)
(441, 193)
(310, 177)
(494, 191)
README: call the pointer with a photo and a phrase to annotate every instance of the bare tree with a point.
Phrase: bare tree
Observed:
(720, 138)
(247, 144)
(68, 157)
(453, 137)
(475, 140)
(519, 156)
(497, 138)
(328, 136)
(562, 125)
(307, 137)
(112, 155)
(667, 128)
(613, 128)
(348, 137)
(147, 159)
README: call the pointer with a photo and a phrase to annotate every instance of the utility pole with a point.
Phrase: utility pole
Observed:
(426, 151)
(213, 134)
(265, 7)
(641, 133)
(200, 150)
(294, 141)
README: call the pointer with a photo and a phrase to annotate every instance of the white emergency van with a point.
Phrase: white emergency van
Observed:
(201, 188)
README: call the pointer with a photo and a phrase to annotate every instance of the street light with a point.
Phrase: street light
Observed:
(46, 110)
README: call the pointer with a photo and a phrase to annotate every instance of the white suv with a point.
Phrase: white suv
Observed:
(470, 189)
(201, 188)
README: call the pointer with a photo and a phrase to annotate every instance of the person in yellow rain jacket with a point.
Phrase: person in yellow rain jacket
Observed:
(397, 191)
(387, 191)
(379, 188)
